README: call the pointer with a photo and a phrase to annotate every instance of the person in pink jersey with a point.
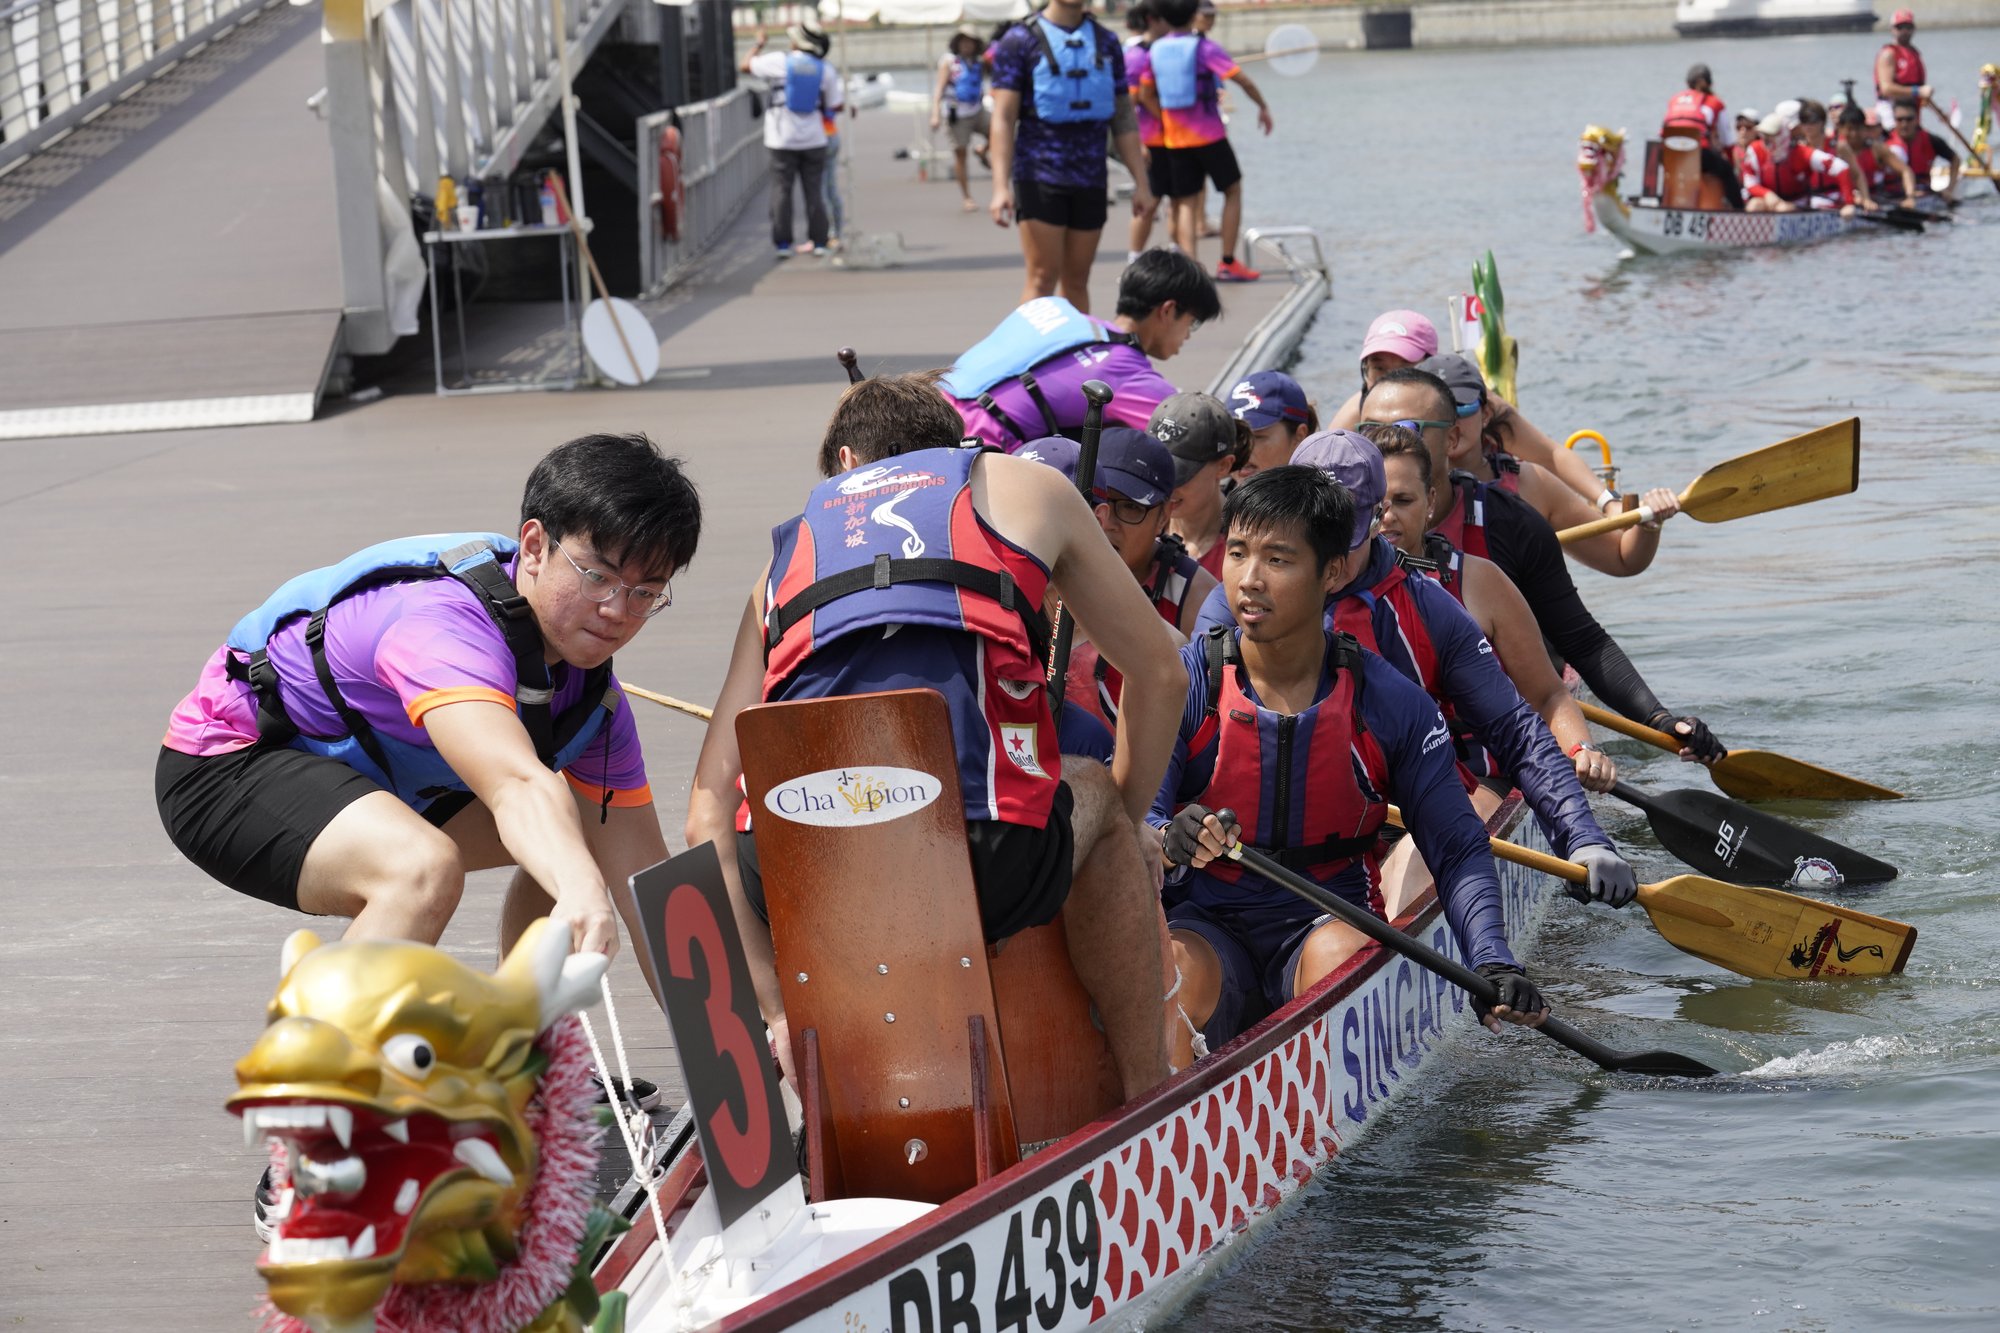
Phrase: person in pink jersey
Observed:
(435, 705)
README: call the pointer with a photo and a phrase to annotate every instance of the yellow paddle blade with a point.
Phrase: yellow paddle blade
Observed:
(1814, 466)
(1768, 933)
(1759, 775)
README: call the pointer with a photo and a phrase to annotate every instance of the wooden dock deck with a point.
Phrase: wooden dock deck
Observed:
(129, 983)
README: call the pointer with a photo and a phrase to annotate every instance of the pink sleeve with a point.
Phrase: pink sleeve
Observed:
(1218, 61)
(1140, 391)
(444, 651)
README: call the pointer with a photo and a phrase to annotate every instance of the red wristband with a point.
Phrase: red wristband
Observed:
(1573, 750)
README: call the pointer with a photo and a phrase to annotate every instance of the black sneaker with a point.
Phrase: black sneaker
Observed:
(645, 1095)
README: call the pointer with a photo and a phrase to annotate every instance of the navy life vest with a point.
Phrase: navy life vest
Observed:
(1073, 80)
(968, 81)
(1177, 73)
(417, 774)
(1320, 818)
(804, 86)
(1037, 331)
(898, 543)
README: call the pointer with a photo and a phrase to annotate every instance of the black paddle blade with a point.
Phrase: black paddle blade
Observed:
(1729, 840)
(1660, 1064)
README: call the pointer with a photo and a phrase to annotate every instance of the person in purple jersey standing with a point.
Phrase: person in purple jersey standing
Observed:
(1059, 86)
(1294, 741)
(380, 735)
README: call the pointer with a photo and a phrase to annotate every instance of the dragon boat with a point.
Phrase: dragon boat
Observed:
(1660, 220)
(965, 1161)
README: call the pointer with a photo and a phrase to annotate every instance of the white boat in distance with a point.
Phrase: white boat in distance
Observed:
(1771, 18)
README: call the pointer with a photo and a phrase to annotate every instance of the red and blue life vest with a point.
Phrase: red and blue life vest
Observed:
(417, 774)
(1306, 787)
(1465, 529)
(885, 553)
(1168, 589)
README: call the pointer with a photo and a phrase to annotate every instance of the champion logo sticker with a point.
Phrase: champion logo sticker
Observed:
(1022, 747)
(852, 797)
(1437, 736)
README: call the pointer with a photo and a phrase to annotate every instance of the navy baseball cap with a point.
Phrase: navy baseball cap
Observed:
(1351, 459)
(1268, 396)
(1129, 461)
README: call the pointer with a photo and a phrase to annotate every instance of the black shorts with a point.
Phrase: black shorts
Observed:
(1061, 206)
(247, 818)
(1157, 180)
(1022, 873)
(1187, 168)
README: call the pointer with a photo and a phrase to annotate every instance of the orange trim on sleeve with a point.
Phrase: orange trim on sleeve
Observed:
(457, 694)
(620, 800)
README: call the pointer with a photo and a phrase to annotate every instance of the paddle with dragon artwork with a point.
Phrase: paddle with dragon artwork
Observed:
(434, 1140)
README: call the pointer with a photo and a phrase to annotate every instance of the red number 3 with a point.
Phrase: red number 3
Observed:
(691, 924)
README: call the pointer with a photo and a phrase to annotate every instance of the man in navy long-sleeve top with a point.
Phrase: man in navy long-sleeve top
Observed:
(1295, 740)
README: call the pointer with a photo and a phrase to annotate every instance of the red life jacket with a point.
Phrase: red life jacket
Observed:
(1800, 173)
(1691, 112)
(1388, 608)
(1918, 152)
(943, 567)
(1325, 809)
(1909, 67)
(1169, 587)
(1447, 564)
(1506, 470)
(1466, 528)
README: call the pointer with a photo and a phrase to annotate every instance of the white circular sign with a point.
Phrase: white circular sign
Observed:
(852, 797)
(608, 354)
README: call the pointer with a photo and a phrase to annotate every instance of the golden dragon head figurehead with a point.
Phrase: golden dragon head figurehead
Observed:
(1598, 156)
(398, 1081)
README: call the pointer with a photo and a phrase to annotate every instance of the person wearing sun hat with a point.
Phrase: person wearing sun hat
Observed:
(1206, 442)
(798, 85)
(1274, 407)
(1395, 339)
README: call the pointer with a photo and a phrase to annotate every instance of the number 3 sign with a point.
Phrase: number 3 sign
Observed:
(705, 985)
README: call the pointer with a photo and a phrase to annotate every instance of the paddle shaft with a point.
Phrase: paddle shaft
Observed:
(1375, 928)
(668, 700)
(1611, 522)
(583, 243)
(1272, 55)
(1964, 143)
(1096, 393)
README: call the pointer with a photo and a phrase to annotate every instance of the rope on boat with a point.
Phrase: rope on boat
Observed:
(641, 1167)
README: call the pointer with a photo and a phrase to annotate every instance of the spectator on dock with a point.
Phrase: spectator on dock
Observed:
(1059, 85)
(1147, 27)
(800, 85)
(959, 99)
(1183, 86)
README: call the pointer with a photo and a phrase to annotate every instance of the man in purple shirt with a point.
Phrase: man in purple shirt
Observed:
(1059, 85)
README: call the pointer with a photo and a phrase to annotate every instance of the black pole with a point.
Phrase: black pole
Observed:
(1096, 393)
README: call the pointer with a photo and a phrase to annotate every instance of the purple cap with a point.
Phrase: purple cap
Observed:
(1352, 460)
(1129, 461)
(1404, 333)
(1267, 396)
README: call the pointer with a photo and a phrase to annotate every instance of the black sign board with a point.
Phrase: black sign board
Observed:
(718, 1031)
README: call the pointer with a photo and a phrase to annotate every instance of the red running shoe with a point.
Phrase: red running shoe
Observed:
(1232, 270)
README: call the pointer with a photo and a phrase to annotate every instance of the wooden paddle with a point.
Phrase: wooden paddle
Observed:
(678, 705)
(1659, 1064)
(1813, 466)
(1721, 837)
(1754, 775)
(1970, 152)
(1763, 933)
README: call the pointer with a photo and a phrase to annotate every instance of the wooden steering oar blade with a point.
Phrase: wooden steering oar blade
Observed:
(1755, 775)
(1657, 1064)
(1762, 933)
(1815, 466)
(1721, 837)
(668, 700)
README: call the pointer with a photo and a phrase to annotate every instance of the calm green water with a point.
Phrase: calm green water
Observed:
(1846, 1177)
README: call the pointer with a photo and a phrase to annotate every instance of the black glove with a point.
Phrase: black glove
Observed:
(1696, 737)
(1611, 879)
(1183, 834)
(1516, 991)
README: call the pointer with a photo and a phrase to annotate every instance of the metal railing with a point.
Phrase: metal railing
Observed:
(418, 89)
(62, 60)
(722, 165)
(1272, 343)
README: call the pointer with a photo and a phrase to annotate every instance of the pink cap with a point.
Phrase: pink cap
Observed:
(1902, 16)
(1404, 333)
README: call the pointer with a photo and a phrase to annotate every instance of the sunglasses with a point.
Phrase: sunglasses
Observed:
(1411, 423)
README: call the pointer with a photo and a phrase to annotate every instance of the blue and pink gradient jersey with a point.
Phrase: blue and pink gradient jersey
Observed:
(398, 651)
(1194, 126)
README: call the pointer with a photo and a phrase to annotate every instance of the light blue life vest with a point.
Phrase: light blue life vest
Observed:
(1043, 328)
(968, 85)
(417, 774)
(803, 83)
(1176, 70)
(1073, 79)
